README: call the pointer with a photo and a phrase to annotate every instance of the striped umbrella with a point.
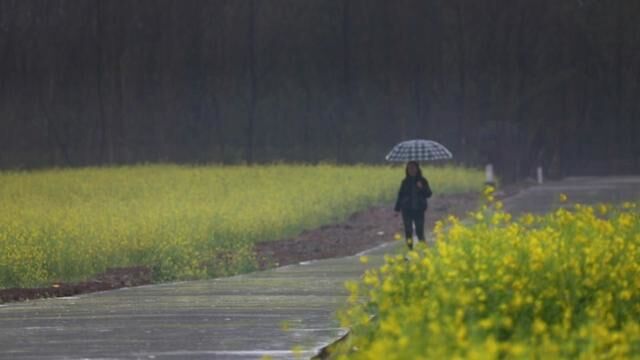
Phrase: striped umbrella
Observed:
(418, 150)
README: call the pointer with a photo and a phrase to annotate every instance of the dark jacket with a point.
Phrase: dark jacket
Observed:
(410, 197)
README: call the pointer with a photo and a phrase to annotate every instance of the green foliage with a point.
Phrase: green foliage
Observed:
(563, 285)
(184, 222)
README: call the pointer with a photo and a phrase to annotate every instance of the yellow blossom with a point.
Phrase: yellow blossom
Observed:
(559, 285)
(539, 326)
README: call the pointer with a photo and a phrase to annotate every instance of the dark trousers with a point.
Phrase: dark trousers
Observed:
(410, 217)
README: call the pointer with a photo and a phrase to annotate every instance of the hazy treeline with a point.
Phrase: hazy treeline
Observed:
(514, 82)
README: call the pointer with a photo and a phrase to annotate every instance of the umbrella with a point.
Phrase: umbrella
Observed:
(418, 150)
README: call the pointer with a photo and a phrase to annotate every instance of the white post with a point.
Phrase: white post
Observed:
(489, 174)
(540, 175)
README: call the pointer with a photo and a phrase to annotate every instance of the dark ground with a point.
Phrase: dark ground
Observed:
(361, 231)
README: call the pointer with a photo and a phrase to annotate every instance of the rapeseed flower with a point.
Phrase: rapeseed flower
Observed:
(561, 285)
(185, 222)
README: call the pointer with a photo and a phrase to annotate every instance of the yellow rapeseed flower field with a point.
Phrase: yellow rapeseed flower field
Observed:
(562, 285)
(185, 222)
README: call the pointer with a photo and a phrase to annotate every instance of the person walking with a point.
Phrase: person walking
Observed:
(412, 202)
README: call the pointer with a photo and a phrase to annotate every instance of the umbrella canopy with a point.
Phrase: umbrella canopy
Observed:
(418, 150)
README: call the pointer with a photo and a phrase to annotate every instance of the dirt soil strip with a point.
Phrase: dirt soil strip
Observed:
(361, 231)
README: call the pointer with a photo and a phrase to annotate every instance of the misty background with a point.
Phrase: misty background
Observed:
(517, 83)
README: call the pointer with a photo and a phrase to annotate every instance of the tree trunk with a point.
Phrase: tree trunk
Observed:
(249, 156)
(462, 77)
(105, 148)
(346, 108)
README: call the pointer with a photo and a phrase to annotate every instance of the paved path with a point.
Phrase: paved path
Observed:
(239, 317)
(587, 190)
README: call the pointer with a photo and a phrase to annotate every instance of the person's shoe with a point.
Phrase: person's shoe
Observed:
(410, 243)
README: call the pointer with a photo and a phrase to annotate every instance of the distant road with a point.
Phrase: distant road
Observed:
(588, 190)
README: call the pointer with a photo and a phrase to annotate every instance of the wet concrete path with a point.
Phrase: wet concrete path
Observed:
(238, 317)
